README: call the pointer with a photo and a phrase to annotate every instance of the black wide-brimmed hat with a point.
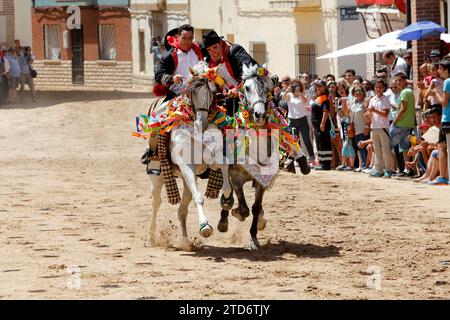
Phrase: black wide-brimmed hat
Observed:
(211, 38)
(171, 33)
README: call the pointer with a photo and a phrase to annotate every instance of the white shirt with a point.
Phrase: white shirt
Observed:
(185, 60)
(400, 66)
(297, 107)
(357, 116)
(380, 104)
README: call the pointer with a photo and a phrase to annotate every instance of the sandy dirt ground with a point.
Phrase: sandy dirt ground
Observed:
(75, 207)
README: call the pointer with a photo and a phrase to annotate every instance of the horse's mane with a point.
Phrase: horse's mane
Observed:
(250, 71)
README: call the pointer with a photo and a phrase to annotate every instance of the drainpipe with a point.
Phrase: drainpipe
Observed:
(408, 20)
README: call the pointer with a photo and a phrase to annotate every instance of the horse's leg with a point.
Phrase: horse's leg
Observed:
(155, 190)
(223, 223)
(182, 215)
(256, 210)
(226, 200)
(188, 172)
(237, 181)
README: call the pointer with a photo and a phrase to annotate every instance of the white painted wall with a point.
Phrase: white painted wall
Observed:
(22, 9)
(281, 29)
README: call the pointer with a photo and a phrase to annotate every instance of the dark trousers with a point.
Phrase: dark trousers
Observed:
(302, 127)
(323, 144)
(4, 88)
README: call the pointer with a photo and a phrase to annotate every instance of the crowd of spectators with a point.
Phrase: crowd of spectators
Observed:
(385, 127)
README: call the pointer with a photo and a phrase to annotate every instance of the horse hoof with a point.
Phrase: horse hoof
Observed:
(261, 224)
(150, 243)
(237, 214)
(223, 225)
(206, 230)
(254, 245)
(227, 204)
(186, 245)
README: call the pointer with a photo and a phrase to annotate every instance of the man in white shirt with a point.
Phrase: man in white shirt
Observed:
(396, 64)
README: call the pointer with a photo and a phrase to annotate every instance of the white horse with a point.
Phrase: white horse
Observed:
(201, 92)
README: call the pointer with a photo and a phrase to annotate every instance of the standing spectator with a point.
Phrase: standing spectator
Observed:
(444, 69)
(379, 107)
(17, 47)
(320, 111)
(350, 76)
(408, 57)
(396, 64)
(13, 74)
(25, 61)
(404, 121)
(285, 84)
(357, 111)
(4, 69)
(296, 101)
(2, 73)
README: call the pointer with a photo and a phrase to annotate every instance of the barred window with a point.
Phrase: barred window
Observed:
(305, 58)
(258, 52)
(52, 42)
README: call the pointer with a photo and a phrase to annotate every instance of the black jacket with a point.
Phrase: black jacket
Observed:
(166, 68)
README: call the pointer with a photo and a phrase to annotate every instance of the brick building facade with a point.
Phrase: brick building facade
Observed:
(425, 10)
(7, 22)
(96, 55)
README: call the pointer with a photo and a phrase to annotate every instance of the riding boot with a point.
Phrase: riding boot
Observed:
(289, 165)
(304, 166)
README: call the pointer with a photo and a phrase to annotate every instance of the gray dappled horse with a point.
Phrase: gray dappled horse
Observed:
(256, 89)
(201, 92)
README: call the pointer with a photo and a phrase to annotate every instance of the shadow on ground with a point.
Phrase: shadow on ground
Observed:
(268, 252)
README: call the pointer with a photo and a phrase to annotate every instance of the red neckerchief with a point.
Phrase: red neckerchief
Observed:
(173, 41)
(226, 49)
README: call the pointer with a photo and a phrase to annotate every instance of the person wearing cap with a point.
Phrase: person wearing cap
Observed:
(435, 55)
(182, 53)
(320, 110)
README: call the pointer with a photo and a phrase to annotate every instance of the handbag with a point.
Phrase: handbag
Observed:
(32, 71)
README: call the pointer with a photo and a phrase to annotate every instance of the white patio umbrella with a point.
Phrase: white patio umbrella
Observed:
(445, 37)
(386, 42)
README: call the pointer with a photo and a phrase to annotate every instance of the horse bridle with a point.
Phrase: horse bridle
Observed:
(204, 99)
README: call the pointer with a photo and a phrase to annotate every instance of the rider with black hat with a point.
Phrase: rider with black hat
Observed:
(182, 53)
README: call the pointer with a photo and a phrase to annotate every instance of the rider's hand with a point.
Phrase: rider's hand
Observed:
(233, 93)
(322, 127)
(177, 78)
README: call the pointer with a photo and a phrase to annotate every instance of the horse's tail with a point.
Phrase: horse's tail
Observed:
(153, 106)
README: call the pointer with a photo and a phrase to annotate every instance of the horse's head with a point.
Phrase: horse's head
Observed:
(201, 91)
(257, 85)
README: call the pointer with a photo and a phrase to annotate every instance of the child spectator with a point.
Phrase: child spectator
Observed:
(379, 107)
